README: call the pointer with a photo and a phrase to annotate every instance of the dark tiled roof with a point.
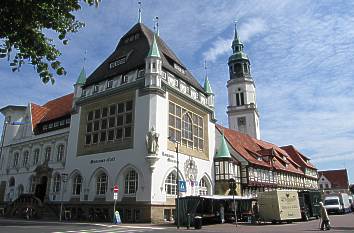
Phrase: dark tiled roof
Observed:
(136, 51)
(338, 178)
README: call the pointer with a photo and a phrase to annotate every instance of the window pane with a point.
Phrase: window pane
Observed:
(171, 120)
(103, 136)
(104, 124)
(111, 122)
(112, 110)
(96, 125)
(120, 107)
(127, 132)
(129, 106)
(178, 111)
(128, 118)
(90, 116)
(178, 123)
(95, 138)
(119, 120)
(89, 127)
(97, 113)
(104, 112)
(119, 133)
(110, 135)
(171, 108)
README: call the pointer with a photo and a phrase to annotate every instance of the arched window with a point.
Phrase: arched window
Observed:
(60, 153)
(171, 184)
(187, 134)
(12, 182)
(131, 182)
(101, 184)
(56, 183)
(245, 68)
(25, 158)
(77, 182)
(35, 156)
(16, 157)
(203, 187)
(48, 151)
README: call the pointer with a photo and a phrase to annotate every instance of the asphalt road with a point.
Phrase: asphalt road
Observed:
(340, 223)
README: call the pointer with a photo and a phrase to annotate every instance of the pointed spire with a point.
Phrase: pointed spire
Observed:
(223, 151)
(154, 49)
(81, 80)
(207, 86)
(82, 76)
(139, 12)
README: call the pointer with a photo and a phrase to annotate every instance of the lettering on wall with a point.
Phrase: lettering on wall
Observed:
(104, 160)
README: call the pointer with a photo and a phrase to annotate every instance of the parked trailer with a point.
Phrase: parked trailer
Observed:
(337, 203)
(279, 206)
(309, 204)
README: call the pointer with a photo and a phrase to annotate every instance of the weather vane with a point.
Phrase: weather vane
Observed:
(156, 25)
(139, 10)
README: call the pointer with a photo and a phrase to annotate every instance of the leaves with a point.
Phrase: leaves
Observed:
(22, 38)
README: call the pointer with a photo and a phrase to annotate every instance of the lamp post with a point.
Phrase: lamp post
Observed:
(177, 150)
(64, 178)
(232, 186)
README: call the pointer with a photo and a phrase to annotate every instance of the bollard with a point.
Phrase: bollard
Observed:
(188, 221)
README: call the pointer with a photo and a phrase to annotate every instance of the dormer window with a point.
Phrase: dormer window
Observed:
(109, 84)
(118, 62)
(96, 88)
(179, 68)
(124, 79)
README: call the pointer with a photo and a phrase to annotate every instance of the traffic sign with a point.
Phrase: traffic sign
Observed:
(115, 189)
(182, 186)
(115, 196)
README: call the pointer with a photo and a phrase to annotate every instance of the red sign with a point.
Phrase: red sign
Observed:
(115, 189)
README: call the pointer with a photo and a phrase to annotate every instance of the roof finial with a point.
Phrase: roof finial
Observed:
(139, 17)
(236, 35)
(156, 26)
(205, 68)
(84, 62)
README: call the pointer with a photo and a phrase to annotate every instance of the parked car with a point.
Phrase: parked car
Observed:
(337, 203)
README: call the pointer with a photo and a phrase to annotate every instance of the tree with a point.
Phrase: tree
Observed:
(22, 33)
(351, 188)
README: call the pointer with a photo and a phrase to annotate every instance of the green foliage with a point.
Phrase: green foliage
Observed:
(22, 37)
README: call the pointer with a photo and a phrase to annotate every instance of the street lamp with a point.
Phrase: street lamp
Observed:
(233, 186)
(64, 178)
(177, 206)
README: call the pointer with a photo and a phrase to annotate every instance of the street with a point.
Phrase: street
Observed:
(340, 223)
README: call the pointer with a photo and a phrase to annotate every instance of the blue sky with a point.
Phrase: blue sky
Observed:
(301, 54)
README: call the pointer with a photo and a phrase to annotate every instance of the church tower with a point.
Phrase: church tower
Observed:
(242, 110)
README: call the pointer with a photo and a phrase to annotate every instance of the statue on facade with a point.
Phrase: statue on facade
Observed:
(152, 139)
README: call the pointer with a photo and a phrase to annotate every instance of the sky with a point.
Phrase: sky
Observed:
(301, 55)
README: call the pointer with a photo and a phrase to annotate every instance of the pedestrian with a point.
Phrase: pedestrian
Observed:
(324, 217)
(222, 213)
(255, 210)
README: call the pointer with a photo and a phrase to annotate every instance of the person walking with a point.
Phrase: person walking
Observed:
(324, 218)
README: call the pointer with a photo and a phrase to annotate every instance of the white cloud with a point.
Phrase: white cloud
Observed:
(246, 31)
